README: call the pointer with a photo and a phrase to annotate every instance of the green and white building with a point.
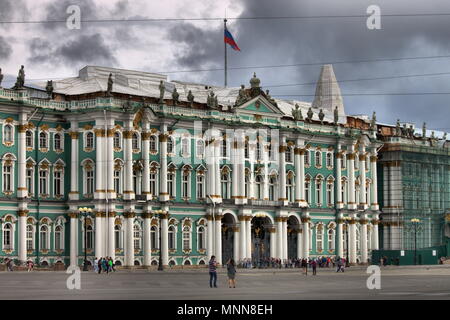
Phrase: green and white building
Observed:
(193, 172)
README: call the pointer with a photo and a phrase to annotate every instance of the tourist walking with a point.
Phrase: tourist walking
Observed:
(99, 265)
(9, 264)
(95, 265)
(30, 265)
(314, 266)
(111, 265)
(104, 265)
(231, 271)
(213, 272)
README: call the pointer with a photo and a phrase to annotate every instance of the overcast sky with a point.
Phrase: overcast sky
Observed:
(52, 51)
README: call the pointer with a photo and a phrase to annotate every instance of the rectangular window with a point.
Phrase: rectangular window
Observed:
(30, 181)
(58, 183)
(185, 186)
(200, 186)
(7, 178)
(43, 176)
(153, 184)
(89, 182)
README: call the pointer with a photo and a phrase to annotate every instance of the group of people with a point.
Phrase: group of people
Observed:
(269, 262)
(231, 272)
(105, 264)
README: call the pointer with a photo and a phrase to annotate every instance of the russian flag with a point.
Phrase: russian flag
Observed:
(229, 39)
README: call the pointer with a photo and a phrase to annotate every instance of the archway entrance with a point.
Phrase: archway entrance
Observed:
(227, 237)
(260, 239)
(293, 226)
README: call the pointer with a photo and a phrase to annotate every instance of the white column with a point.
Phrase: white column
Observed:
(163, 192)
(375, 240)
(339, 200)
(279, 224)
(129, 244)
(241, 168)
(165, 239)
(340, 238)
(248, 234)
(100, 163)
(352, 240)
(374, 188)
(74, 163)
(242, 238)
(147, 240)
(305, 234)
(299, 244)
(351, 181)
(298, 175)
(98, 235)
(236, 244)
(235, 173)
(217, 178)
(363, 241)
(22, 191)
(209, 236)
(22, 235)
(282, 172)
(285, 244)
(218, 235)
(73, 238)
(362, 175)
(111, 243)
(110, 164)
(273, 242)
(266, 159)
(251, 188)
(128, 193)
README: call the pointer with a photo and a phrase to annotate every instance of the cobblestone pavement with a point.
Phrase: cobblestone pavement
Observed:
(396, 283)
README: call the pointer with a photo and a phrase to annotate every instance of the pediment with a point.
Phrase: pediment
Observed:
(260, 105)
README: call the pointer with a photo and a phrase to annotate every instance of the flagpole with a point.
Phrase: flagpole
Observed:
(225, 49)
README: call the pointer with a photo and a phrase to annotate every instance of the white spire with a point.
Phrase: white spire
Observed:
(328, 95)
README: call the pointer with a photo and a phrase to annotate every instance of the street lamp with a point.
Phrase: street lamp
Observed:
(415, 228)
(160, 263)
(85, 211)
(346, 222)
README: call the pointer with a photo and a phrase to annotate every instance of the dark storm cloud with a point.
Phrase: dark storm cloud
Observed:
(85, 49)
(5, 49)
(273, 42)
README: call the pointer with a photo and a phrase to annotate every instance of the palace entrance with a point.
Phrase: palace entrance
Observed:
(293, 226)
(260, 239)
(228, 224)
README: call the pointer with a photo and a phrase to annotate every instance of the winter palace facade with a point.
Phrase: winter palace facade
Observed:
(188, 169)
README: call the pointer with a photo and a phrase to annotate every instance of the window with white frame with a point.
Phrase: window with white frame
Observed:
(171, 184)
(172, 240)
(200, 148)
(29, 141)
(247, 184)
(89, 140)
(200, 186)
(186, 238)
(185, 147)
(329, 160)
(153, 144)
(43, 140)
(318, 158)
(30, 181)
(170, 145)
(89, 237)
(331, 241)
(259, 187)
(154, 237)
(30, 237)
(201, 239)
(59, 238)
(7, 177)
(246, 150)
(57, 142)
(225, 182)
(288, 154)
(319, 238)
(135, 145)
(153, 182)
(8, 236)
(186, 184)
(137, 237)
(330, 192)
(344, 190)
(224, 147)
(308, 189)
(259, 151)
(118, 236)
(307, 158)
(117, 181)
(43, 181)
(289, 187)
(117, 140)
(272, 188)
(58, 182)
(8, 134)
(88, 171)
(319, 191)
(44, 238)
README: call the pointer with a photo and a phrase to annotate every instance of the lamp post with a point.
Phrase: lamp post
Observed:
(85, 211)
(415, 228)
(160, 263)
(346, 222)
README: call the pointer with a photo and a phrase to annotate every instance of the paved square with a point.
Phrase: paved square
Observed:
(396, 283)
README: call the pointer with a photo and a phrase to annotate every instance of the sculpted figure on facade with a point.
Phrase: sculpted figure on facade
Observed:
(321, 116)
(49, 88)
(162, 89)
(242, 96)
(297, 113)
(309, 114)
(175, 96)
(190, 98)
(110, 86)
(20, 79)
(212, 101)
(1, 77)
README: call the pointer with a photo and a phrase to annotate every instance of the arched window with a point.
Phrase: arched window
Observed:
(272, 188)
(58, 182)
(117, 140)
(59, 238)
(89, 237)
(319, 238)
(288, 155)
(135, 141)
(225, 180)
(43, 181)
(185, 147)
(307, 159)
(57, 142)
(30, 237)
(185, 184)
(201, 243)
(152, 143)
(171, 184)
(186, 238)
(43, 237)
(329, 160)
(8, 133)
(318, 158)
(319, 192)
(289, 188)
(344, 189)
(7, 237)
(153, 181)
(89, 143)
(330, 239)
(344, 161)
(200, 186)
(29, 139)
(172, 238)
(330, 193)
(43, 141)
(118, 236)
(153, 238)
(200, 148)
(137, 237)
(7, 177)
(259, 187)
(169, 145)
(308, 189)
(247, 184)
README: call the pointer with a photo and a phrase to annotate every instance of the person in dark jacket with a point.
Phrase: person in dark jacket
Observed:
(231, 271)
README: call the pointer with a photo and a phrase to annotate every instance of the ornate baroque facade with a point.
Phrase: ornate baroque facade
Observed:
(185, 169)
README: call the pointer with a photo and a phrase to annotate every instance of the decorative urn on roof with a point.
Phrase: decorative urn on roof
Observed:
(255, 86)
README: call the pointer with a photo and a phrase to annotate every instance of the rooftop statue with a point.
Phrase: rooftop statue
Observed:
(321, 116)
(49, 88)
(242, 96)
(297, 113)
(444, 137)
(190, 98)
(373, 123)
(411, 131)
(398, 130)
(424, 130)
(20, 79)
(175, 96)
(336, 115)
(309, 114)
(162, 89)
(110, 86)
(1, 77)
(212, 101)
